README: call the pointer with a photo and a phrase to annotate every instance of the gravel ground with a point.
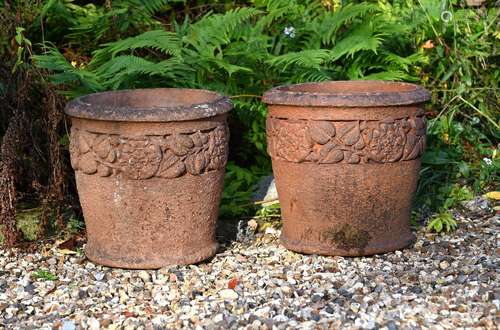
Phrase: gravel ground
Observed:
(442, 282)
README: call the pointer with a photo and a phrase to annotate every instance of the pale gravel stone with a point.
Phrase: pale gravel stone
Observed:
(228, 294)
(68, 325)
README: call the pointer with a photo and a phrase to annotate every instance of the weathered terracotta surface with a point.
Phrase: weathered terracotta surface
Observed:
(149, 170)
(346, 157)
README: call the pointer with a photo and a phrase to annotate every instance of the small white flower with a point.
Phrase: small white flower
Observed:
(289, 31)
(487, 161)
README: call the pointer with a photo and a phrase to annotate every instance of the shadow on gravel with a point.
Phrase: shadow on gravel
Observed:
(232, 230)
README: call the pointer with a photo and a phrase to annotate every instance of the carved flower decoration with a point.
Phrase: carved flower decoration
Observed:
(217, 148)
(415, 138)
(191, 150)
(387, 142)
(139, 158)
(90, 152)
(328, 142)
(289, 140)
(194, 153)
(104, 148)
(171, 166)
(80, 150)
(74, 149)
(198, 158)
(167, 156)
(338, 143)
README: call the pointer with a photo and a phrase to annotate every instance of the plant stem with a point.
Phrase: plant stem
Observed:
(480, 112)
(244, 95)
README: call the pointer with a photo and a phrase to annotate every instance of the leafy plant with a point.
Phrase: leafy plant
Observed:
(443, 221)
(462, 72)
(90, 24)
(236, 198)
(269, 211)
(45, 275)
(75, 225)
(222, 51)
(23, 44)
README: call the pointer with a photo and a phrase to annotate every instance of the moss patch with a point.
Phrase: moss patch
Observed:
(348, 237)
(27, 222)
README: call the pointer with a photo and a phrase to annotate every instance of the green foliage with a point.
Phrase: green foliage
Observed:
(237, 191)
(90, 24)
(44, 275)
(157, 40)
(23, 44)
(27, 220)
(442, 222)
(75, 225)
(268, 216)
(234, 52)
(454, 194)
(462, 72)
(246, 50)
(269, 211)
(81, 81)
(450, 197)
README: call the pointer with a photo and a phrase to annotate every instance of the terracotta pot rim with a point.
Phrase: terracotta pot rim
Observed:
(149, 105)
(353, 93)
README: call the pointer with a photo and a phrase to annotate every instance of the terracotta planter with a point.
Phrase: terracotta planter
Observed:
(149, 170)
(345, 156)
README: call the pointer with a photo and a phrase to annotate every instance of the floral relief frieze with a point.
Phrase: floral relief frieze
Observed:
(353, 142)
(144, 157)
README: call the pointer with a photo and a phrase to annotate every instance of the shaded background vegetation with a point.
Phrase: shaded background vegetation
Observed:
(54, 50)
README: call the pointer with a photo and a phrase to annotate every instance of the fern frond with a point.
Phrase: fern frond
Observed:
(56, 8)
(120, 70)
(404, 62)
(90, 20)
(311, 76)
(239, 49)
(65, 73)
(212, 31)
(332, 22)
(124, 63)
(358, 39)
(159, 40)
(387, 28)
(388, 75)
(230, 68)
(275, 11)
(312, 58)
(134, 64)
(150, 6)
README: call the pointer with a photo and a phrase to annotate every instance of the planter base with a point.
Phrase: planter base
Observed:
(324, 249)
(151, 263)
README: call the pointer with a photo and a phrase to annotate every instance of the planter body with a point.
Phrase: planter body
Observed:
(345, 156)
(149, 168)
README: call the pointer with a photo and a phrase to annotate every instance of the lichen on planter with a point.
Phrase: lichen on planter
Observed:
(149, 168)
(346, 157)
